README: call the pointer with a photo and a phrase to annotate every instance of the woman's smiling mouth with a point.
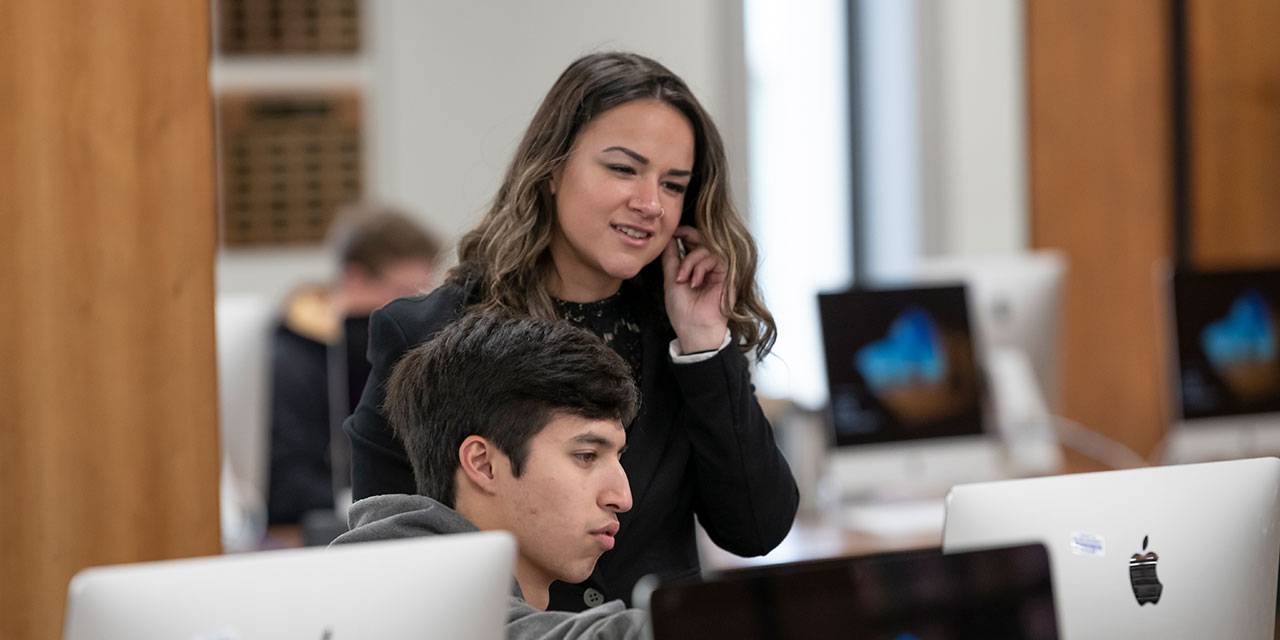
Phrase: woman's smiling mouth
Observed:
(635, 234)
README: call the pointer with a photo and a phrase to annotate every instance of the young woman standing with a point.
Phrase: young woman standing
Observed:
(615, 216)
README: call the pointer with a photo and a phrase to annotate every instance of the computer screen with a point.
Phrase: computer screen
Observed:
(1228, 342)
(900, 364)
(913, 595)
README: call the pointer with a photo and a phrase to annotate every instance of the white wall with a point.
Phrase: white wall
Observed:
(797, 65)
(942, 155)
(451, 85)
(975, 164)
(944, 125)
(458, 81)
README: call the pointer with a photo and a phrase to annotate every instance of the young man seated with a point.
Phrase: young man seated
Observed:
(515, 424)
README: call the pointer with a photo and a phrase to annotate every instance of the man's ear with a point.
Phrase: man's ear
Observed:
(476, 459)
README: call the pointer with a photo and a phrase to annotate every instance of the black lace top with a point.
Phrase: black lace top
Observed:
(613, 320)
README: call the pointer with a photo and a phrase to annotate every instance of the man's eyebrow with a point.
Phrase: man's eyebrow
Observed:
(676, 173)
(591, 438)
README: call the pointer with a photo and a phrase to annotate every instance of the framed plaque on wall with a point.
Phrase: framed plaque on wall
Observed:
(286, 162)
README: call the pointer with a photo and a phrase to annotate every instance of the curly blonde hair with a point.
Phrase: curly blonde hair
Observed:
(506, 258)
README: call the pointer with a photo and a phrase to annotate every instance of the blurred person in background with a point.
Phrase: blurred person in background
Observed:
(318, 361)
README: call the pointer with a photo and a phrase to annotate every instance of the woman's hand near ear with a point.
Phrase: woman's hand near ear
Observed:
(695, 292)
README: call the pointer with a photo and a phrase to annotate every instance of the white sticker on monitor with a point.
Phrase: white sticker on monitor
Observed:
(1087, 544)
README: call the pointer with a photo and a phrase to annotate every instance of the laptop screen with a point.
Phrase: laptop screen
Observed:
(913, 595)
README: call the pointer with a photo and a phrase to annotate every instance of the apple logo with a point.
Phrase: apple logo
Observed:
(1142, 576)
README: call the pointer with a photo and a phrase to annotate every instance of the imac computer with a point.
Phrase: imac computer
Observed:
(1182, 551)
(453, 586)
(906, 401)
(1226, 364)
(1015, 303)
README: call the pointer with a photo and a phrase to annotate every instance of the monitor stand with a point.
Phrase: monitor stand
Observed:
(1021, 414)
(897, 489)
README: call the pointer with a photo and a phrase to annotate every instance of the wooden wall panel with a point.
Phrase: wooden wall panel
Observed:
(108, 441)
(1233, 64)
(1099, 190)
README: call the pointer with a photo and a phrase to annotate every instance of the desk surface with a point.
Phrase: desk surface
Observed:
(826, 534)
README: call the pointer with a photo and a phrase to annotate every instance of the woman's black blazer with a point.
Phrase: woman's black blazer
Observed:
(699, 446)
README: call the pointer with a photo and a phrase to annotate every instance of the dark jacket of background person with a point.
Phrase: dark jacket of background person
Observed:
(311, 358)
(394, 517)
(700, 445)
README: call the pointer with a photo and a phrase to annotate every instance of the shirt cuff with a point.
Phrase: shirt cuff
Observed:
(690, 358)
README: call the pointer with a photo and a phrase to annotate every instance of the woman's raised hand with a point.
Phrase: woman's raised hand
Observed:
(695, 294)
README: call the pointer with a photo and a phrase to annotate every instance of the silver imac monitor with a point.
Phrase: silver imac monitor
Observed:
(444, 586)
(1187, 551)
(906, 402)
(1226, 364)
(1016, 303)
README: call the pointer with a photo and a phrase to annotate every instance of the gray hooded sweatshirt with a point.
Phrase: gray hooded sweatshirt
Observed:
(392, 517)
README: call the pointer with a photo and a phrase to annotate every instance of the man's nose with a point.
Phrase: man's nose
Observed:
(616, 496)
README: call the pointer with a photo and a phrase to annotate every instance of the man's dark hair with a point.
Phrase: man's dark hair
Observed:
(503, 378)
(373, 236)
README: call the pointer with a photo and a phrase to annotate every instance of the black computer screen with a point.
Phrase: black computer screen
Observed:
(900, 364)
(1228, 341)
(916, 595)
